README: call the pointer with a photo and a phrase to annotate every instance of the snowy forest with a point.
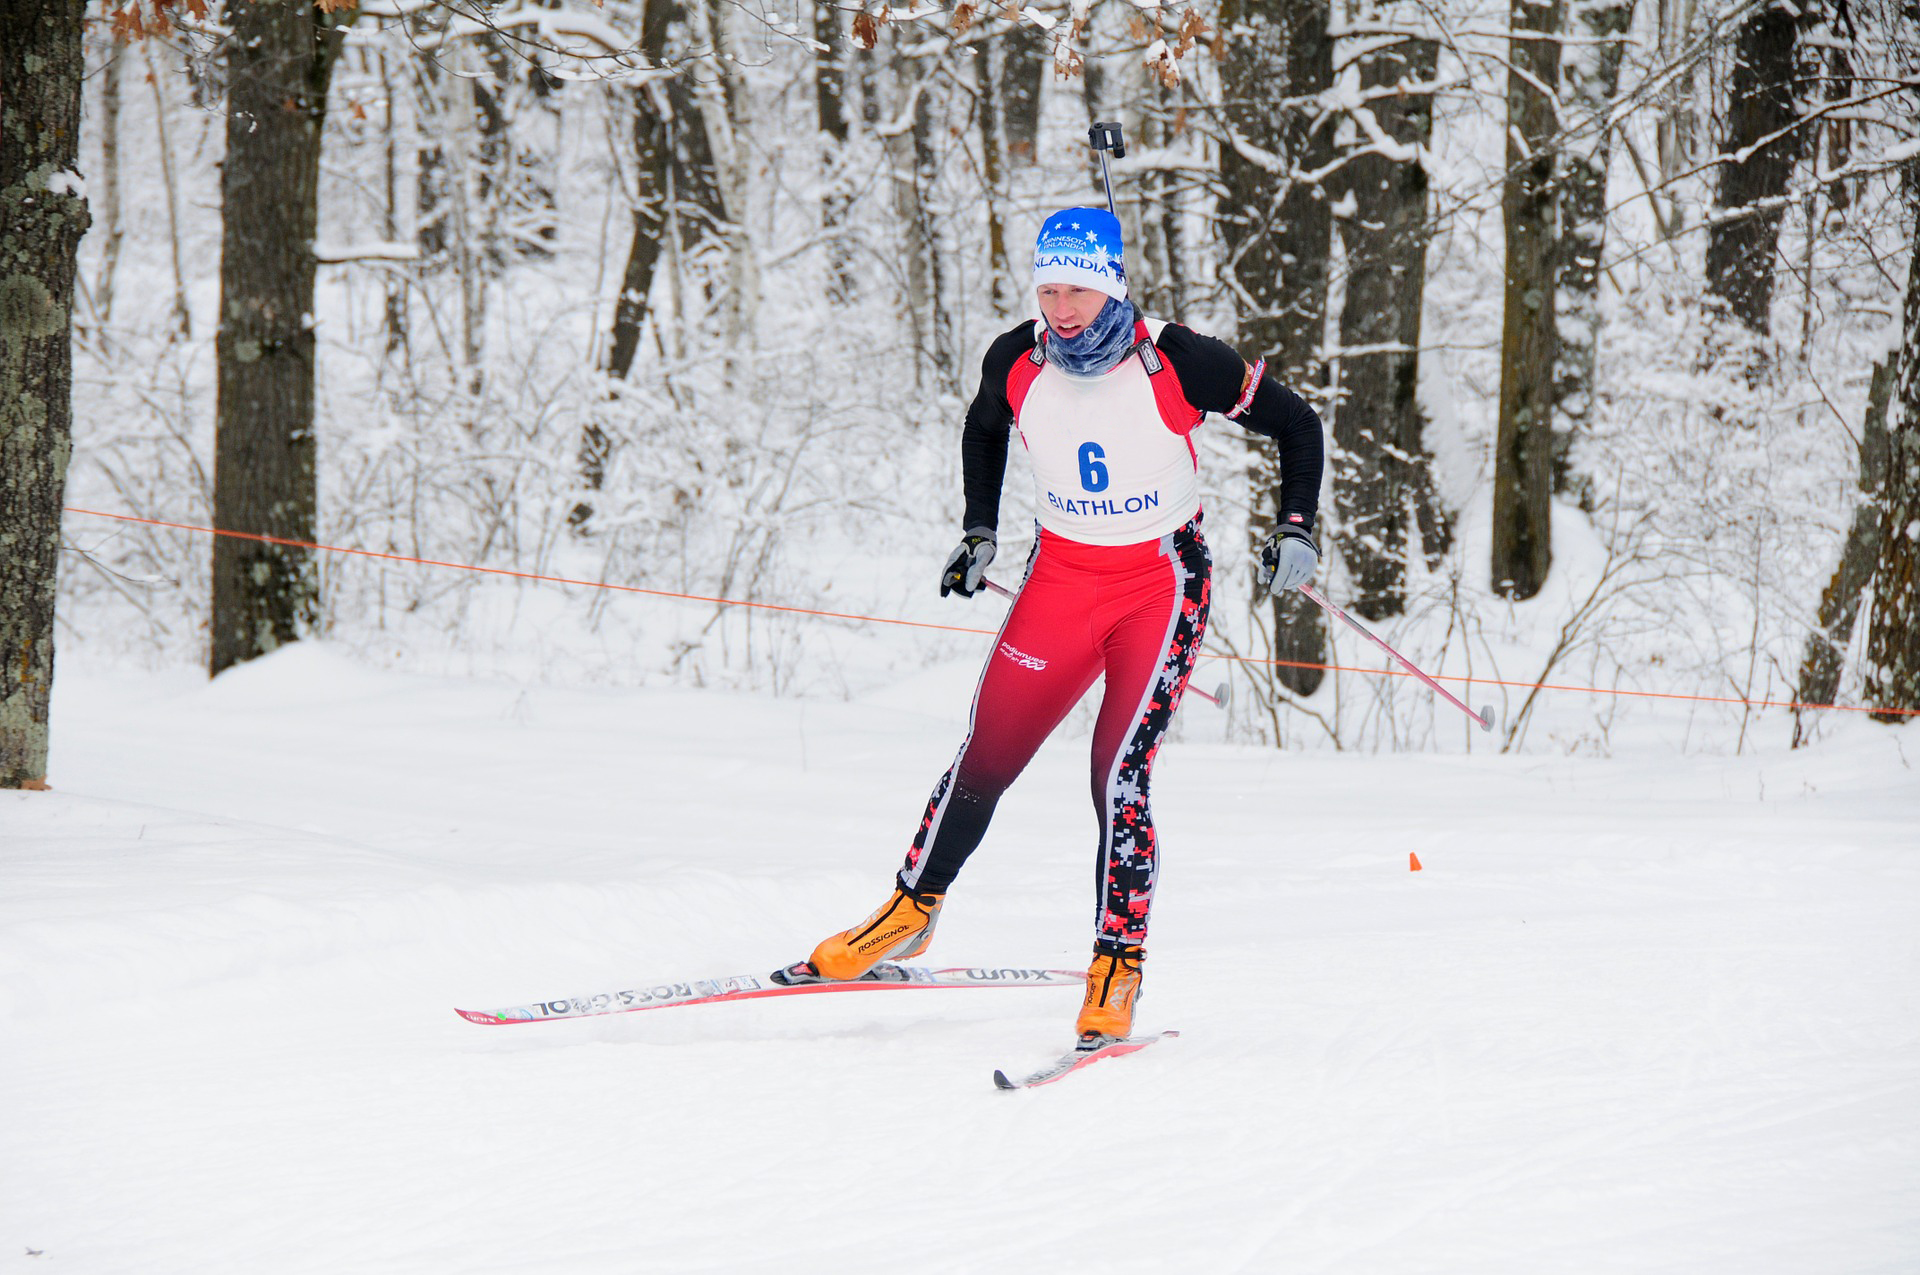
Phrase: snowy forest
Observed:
(1609, 309)
(486, 470)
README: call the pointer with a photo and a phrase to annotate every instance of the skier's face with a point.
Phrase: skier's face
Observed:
(1067, 309)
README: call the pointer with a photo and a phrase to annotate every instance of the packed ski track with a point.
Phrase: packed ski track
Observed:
(1652, 1013)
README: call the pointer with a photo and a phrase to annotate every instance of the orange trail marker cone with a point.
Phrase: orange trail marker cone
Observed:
(1413, 862)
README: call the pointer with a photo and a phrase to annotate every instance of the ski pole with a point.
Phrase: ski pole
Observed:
(1484, 716)
(1218, 698)
(1105, 138)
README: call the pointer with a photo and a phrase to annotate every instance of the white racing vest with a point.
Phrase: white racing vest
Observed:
(1108, 469)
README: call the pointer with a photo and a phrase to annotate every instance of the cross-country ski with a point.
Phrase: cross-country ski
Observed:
(795, 980)
(1080, 1056)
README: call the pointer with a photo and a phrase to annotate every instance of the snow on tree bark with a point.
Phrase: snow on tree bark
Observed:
(1278, 232)
(1381, 465)
(653, 187)
(1523, 450)
(43, 214)
(1760, 103)
(1826, 650)
(1592, 76)
(653, 163)
(1893, 633)
(830, 116)
(280, 58)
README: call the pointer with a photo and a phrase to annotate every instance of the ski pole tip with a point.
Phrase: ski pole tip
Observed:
(1486, 717)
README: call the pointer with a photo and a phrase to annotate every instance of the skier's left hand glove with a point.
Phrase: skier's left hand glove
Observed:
(1287, 560)
(967, 564)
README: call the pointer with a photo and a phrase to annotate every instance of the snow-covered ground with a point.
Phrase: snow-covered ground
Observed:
(1658, 1013)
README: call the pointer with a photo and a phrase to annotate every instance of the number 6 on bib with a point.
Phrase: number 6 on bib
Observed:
(1093, 474)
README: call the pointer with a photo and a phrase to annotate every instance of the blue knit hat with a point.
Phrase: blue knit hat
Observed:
(1081, 247)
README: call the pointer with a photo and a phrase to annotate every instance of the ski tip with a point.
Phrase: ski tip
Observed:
(1000, 1080)
(483, 1018)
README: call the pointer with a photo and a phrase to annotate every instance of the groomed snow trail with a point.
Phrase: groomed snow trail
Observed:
(1642, 1015)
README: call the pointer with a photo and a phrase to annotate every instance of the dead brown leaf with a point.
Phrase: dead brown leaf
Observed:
(1192, 27)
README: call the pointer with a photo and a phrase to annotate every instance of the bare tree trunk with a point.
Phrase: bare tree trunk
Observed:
(1826, 651)
(729, 127)
(1592, 74)
(653, 156)
(904, 139)
(1278, 234)
(182, 316)
(1675, 126)
(926, 233)
(1381, 464)
(829, 75)
(432, 180)
(111, 226)
(993, 178)
(653, 190)
(397, 281)
(1164, 284)
(1893, 632)
(653, 162)
(700, 210)
(280, 58)
(1760, 102)
(492, 156)
(1523, 451)
(42, 63)
(830, 109)
(1023, 74)
(515, 180)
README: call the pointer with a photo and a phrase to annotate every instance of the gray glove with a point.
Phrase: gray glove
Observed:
(1287, 560)
(967, 564)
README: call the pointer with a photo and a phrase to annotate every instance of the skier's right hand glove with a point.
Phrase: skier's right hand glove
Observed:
(967, 564)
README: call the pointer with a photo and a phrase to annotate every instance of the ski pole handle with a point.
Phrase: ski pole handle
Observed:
(1484, 716)
(1218, 698)
(1108, 139)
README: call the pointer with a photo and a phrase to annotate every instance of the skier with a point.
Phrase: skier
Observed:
(1117, 583)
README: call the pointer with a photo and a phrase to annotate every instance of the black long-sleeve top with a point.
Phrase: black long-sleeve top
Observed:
(1212, 376)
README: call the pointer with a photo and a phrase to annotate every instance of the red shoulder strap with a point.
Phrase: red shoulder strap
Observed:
(1180, 416)
(1020, 375)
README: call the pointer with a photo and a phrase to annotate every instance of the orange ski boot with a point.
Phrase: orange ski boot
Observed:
(899, 930)
(1113, 985)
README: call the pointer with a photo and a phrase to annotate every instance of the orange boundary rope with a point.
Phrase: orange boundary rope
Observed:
(956, 628)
